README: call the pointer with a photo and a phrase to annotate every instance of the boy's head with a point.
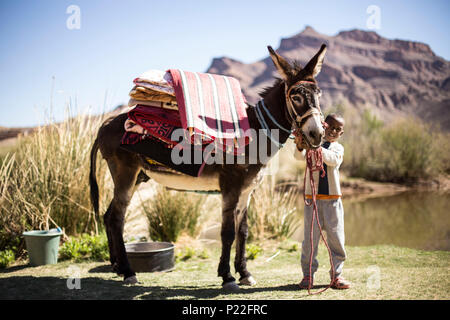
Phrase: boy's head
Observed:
(335, 127)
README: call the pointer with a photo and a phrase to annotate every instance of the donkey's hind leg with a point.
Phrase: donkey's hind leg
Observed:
(112, 252)
(124, 177)
(142, 177)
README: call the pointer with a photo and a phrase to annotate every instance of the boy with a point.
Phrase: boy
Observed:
(329, 205)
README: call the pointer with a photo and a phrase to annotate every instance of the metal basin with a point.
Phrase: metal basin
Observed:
(151, 256)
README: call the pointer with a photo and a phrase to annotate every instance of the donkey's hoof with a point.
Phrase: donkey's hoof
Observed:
(130, 280)
(115, 268)
(230, 286)
(247, 281)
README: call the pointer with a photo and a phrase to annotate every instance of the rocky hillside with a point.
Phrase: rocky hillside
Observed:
(362, 70)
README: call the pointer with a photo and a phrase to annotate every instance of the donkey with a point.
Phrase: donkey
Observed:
(290, 105)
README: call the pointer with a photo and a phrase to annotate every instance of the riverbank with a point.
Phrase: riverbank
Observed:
(361, 188)
(377, 272)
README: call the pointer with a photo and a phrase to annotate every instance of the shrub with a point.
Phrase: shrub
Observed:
(6, 258)
(404, 151)
(293, 248)
(186, 254)
(45, 181)
(253, 251)
(85, 247)
(272, 214)
(204, 254)
(171, 212)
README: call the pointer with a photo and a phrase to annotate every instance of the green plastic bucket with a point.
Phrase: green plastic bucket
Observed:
(42, 246)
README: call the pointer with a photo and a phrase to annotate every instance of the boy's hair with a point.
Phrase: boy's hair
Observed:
(335, 117)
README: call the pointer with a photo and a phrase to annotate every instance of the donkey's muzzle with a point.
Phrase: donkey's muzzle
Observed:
(313, 138)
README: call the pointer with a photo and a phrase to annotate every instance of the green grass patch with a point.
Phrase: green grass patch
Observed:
(85, 247)
(376, 272)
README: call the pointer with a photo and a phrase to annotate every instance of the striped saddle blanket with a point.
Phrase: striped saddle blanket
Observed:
(212, 107)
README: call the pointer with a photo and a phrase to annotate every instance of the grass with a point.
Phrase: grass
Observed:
(170, 213)
(272, 214)
(85, 247)
(44, 181)
(401, 274)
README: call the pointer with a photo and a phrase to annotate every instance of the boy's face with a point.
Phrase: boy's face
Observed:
(334, 130)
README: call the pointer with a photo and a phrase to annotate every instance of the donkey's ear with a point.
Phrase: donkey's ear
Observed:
(283, 67)
(315, 65)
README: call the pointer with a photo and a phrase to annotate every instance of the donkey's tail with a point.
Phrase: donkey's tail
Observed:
(93, 179)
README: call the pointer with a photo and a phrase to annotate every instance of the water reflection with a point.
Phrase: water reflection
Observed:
(419, 220)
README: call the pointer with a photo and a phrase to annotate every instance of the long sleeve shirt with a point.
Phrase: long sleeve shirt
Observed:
(328, 187)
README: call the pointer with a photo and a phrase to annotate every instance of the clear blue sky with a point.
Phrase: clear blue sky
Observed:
(93, 67)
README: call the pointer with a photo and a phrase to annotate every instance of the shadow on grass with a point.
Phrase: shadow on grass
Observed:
(101, 269)
(14, 269)
(29, 287)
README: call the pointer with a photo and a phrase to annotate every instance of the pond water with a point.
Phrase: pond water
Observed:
(419, 220)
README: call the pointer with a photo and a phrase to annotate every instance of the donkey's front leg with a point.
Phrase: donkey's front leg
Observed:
(240, 262)
(227, 235)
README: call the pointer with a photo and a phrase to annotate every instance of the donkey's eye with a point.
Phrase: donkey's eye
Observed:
(297, 98)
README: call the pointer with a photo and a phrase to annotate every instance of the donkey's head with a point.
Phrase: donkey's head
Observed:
(302, 95)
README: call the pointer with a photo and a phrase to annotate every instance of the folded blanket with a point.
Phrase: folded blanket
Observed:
(153, 85)
(211, 105)
(154, 122)
(160, 104)
(151, 121)
(156, 87)
(157, 77)
(146, 94)
(155, 80)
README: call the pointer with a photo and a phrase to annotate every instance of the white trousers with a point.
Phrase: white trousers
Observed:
(331, 218)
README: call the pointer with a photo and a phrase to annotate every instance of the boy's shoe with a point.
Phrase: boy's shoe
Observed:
(341, 283)
(304, 284)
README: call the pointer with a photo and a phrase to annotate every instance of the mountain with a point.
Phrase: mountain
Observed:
(9, 133)
(362, 70)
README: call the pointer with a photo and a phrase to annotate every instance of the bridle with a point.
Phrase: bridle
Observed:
(290, 113)
(296, 119)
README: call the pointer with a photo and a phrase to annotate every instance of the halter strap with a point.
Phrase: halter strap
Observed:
(291, 110)
(261, 103)
(265, 127)
(299, 83)
(311, 111)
